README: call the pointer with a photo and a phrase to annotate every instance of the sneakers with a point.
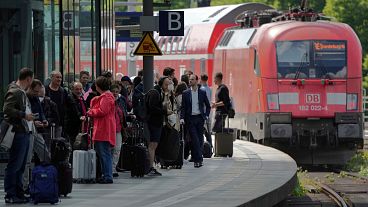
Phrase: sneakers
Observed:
(15, 200)
(198, 164)
(153, 172)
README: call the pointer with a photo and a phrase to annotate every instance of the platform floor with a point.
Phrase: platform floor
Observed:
(255, 176)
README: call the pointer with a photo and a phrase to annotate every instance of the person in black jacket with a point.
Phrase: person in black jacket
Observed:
(75, 112)
(221, 104)
(155, 119)
(51, 114)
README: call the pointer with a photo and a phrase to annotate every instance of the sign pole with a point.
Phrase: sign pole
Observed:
(131, 60)
(148, 60)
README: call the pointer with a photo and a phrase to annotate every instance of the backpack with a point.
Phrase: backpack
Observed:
(140, 104)
(44, 184)
(231, 110)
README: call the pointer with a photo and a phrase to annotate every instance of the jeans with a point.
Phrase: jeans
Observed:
(13, 181)
(103, 150)
(196, 134)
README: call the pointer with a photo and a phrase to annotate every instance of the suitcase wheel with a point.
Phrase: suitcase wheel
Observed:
(178, 167)
(230, 155)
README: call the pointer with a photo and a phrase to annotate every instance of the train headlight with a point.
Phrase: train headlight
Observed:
(352, 101)
(273, 101)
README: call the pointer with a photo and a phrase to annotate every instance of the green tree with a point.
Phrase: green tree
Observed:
(317, 5)
(355, 14)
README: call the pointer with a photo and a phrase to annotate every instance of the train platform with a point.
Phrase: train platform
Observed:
(255, 176)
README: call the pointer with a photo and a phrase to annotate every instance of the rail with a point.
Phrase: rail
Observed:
(333, 195)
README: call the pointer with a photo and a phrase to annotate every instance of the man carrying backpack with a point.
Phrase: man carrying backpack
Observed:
(155, 118)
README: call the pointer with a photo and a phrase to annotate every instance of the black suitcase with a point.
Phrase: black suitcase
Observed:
(178, 163)
(65, 176)
(140, 161)
(125, 158)
(60, 148)
(60, 154)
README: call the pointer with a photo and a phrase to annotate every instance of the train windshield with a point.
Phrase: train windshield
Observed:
(312, 59)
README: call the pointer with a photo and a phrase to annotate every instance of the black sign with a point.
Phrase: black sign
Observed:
(171, 23)
(68, 24)
(127, 26)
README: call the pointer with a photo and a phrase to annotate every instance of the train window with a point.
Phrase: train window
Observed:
(169, 45)
(257, 70)
(237, 38)
(311, 59)
(180, 44)
(192, 64)
(226, 39)
(186, 41)
(203, 66)
(174, 45)
(163, 46)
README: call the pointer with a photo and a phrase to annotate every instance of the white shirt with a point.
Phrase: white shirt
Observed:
(195, 103)
(28, 111)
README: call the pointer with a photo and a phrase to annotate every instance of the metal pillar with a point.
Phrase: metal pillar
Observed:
(131, 60)
(26, 34)
(148, 60)
(98, 37)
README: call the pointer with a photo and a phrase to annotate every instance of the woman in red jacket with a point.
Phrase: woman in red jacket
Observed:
(104, 126)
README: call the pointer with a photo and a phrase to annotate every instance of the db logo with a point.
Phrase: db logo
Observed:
(312, 98)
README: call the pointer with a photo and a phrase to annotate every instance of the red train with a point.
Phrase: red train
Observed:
(296, 81)
(195, 50)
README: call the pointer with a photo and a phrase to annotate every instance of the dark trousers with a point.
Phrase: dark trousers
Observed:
(195, 128)
(13, 181)
(219, 121)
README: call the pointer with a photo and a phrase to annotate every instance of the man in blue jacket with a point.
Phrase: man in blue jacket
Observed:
(194, 111)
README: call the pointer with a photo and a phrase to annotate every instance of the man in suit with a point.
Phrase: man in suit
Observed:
(194, 111)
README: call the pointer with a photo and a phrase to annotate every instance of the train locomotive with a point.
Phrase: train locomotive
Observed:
(296, 82)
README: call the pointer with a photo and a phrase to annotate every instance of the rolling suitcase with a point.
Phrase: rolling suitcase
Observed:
(139, 152)
(43, 187)
(84, 165)
(60, 148)
(178, 163)
(65, 175)
(125, 158)
(60, 153)
(224, 143)
(168, 148)
(140, 165)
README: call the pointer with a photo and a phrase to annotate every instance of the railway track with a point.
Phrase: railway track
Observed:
(336, 188)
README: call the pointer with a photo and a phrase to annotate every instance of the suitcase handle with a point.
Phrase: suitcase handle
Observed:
(222, 121)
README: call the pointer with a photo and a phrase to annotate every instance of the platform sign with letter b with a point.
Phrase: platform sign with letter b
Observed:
(171, 23)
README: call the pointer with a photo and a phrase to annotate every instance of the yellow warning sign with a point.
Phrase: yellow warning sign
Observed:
(147, 46)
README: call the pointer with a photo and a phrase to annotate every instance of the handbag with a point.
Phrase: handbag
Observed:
(6, 135)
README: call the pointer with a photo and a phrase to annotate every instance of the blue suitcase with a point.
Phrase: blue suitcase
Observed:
(44, 185)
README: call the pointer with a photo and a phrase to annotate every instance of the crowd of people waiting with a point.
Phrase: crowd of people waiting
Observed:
(32, 107)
